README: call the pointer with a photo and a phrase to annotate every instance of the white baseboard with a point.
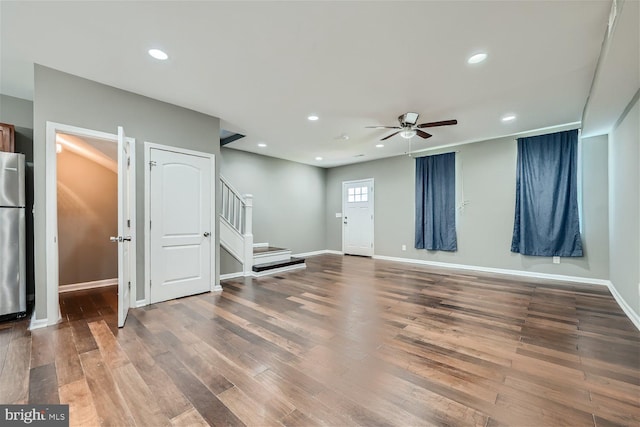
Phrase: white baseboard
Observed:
(37, 323)
(279, 270)
(631, 314)
(332, 252)
(315, 253)
(532, 274)
(231, 275)
(141, 303)
(260, 245)
(87, 285)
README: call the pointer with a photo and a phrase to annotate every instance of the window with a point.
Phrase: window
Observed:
(436, 203)
(546, 221)
(358, 194)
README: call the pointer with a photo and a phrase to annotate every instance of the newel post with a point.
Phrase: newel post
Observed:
(248, 234)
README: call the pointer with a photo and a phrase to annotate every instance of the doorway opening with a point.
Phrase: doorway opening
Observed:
(87, 191)
(90, 188)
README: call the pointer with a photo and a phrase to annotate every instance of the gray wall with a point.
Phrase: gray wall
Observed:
(19, 112)
(228, 264)
(485, 224)
(87, 217)
(67, 99)
(289, 199)
(624, 222)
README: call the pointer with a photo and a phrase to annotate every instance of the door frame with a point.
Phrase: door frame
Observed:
(148, 146)
(51, 213)
(372, 201)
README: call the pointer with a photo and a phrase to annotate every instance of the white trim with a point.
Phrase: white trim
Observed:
(372, 205)
(148, 146)
(279, 270)
(141, 303)
(526, 132)
(316, 253)
(260, 245)
(559, 277)
(51, 207)
(332, 252)
(231, 275)
(87, 285)
(37, 323)
(632, 315)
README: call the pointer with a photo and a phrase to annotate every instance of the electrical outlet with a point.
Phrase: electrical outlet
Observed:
(404, 247)
(556, 260)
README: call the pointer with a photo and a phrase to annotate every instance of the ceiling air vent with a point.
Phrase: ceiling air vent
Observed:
(227, 137)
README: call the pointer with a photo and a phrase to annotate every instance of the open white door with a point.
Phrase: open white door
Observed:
(357, 211)
(124, 238)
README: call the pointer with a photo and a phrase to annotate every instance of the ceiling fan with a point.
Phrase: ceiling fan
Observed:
(409, 128)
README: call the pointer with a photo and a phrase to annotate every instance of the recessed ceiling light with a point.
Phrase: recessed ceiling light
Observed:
(478, 57)
(509, 118)
(318, 158)
(158, 54)
(379, 145)
(313, 117)
(262, 144)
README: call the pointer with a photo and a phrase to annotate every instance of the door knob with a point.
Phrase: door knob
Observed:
(207, 234)
(117, 239)
(114, 239)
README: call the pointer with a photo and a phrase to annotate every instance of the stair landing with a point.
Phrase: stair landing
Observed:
(268, 259)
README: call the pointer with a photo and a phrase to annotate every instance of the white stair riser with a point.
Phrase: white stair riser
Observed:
(271, 257)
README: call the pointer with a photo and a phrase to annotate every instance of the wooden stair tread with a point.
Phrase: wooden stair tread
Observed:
(266, 249)
(277, 264)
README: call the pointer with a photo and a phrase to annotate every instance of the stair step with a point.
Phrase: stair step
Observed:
(277, 264)
(270, 254)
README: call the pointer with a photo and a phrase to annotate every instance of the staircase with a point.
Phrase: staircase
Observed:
(236, 236)
(269, 260)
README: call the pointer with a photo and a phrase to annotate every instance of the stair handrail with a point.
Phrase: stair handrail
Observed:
(237, 211)
(234, 207)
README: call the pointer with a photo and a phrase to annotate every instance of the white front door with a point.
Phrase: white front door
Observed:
(126, 211)
(180, 224)
(357, 217)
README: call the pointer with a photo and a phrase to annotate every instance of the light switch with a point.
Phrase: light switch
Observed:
(338, 214)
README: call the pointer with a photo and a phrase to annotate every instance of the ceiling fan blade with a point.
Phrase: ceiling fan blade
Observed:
(389, 136)
(434, 124)
(422, 134)
(383, 127)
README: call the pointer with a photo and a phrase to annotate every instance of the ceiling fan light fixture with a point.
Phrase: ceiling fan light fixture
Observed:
(477, 58)
(158, 54)
(408, 134)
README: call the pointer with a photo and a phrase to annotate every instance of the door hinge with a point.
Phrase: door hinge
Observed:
(129, 223)
(129, 285)
(152, 163)
(149, 224)
(128, 161)
(150, 283)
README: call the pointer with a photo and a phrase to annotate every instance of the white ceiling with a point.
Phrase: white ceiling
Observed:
(263, 67)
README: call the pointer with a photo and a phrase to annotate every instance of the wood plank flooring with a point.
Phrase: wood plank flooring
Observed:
(348, 341)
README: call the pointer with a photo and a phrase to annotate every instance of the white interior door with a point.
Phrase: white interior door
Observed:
(357, 217)
(124, 239)
(180, 224)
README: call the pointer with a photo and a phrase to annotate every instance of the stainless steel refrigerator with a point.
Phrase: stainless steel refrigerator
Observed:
(13, 298)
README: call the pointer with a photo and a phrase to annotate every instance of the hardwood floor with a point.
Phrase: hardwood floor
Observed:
(348, 341)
